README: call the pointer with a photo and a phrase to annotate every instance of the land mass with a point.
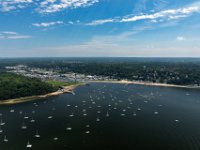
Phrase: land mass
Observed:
(17, 88)
(65, 89)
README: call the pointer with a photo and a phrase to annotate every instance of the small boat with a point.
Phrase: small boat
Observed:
(98, 111)
(50, 117)
(23, 126)
(37, 134)
(122, 114)
(107, 114)
(5, 139)
(85, 114)
(55, 138)
(155, 112)
(69, 128)
(1, 130)
(12, 110)
(87, 132)
(25, 116)
(32, 120)
(20, 112)
(134, 114)
(187, 94)
(29, 145)
(2, 123)
(71, 115)
(97, 119)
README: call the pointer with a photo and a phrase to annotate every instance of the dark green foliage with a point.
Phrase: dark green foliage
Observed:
(15, 86)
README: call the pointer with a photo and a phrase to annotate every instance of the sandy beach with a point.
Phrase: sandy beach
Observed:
(149, 84)
(66, 89)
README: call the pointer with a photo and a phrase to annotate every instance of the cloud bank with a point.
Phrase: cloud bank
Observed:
(44, 6)
(169, 14)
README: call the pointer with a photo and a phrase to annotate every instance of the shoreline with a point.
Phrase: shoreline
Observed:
(70, 88)
(148, 84)
(66, 89)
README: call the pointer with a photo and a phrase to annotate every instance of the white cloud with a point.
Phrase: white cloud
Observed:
(44, 6)
(166, 14)
(180, 38)
(99, 22)
(12, 35)
(170, 14)
(8, 5)
(47, 24)
(51, 6)
(8, 32)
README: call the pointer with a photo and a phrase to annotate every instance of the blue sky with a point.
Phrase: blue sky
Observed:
(70, 28)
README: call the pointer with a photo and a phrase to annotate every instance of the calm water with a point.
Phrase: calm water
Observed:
(106, 117)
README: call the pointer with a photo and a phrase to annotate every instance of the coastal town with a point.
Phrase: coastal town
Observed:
(71, 77)
(53, 75)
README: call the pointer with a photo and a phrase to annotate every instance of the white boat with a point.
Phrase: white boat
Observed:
(50, 117)
(87, 132)
(37, 134)
(23, 126)
(2, 123)
(71, 115)
(155, 112)
(29, 145)
(97, 119)
(12, 110)
(98, 111)
(1, 130)
(55, 138)
(20, 112)
(107, 114)
(85, 114)
(187, 94)
(5, 139)
(25, 116)
(122, 114)
(69, 128)
(32, 120)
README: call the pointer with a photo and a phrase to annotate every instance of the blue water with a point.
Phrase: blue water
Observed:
(105, 116)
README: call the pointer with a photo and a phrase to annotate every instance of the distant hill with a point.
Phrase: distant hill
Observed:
(16, 86)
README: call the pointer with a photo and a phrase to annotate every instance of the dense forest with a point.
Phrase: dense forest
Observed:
(15, 86)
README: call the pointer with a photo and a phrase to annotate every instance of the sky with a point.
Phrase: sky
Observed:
(99, 28)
